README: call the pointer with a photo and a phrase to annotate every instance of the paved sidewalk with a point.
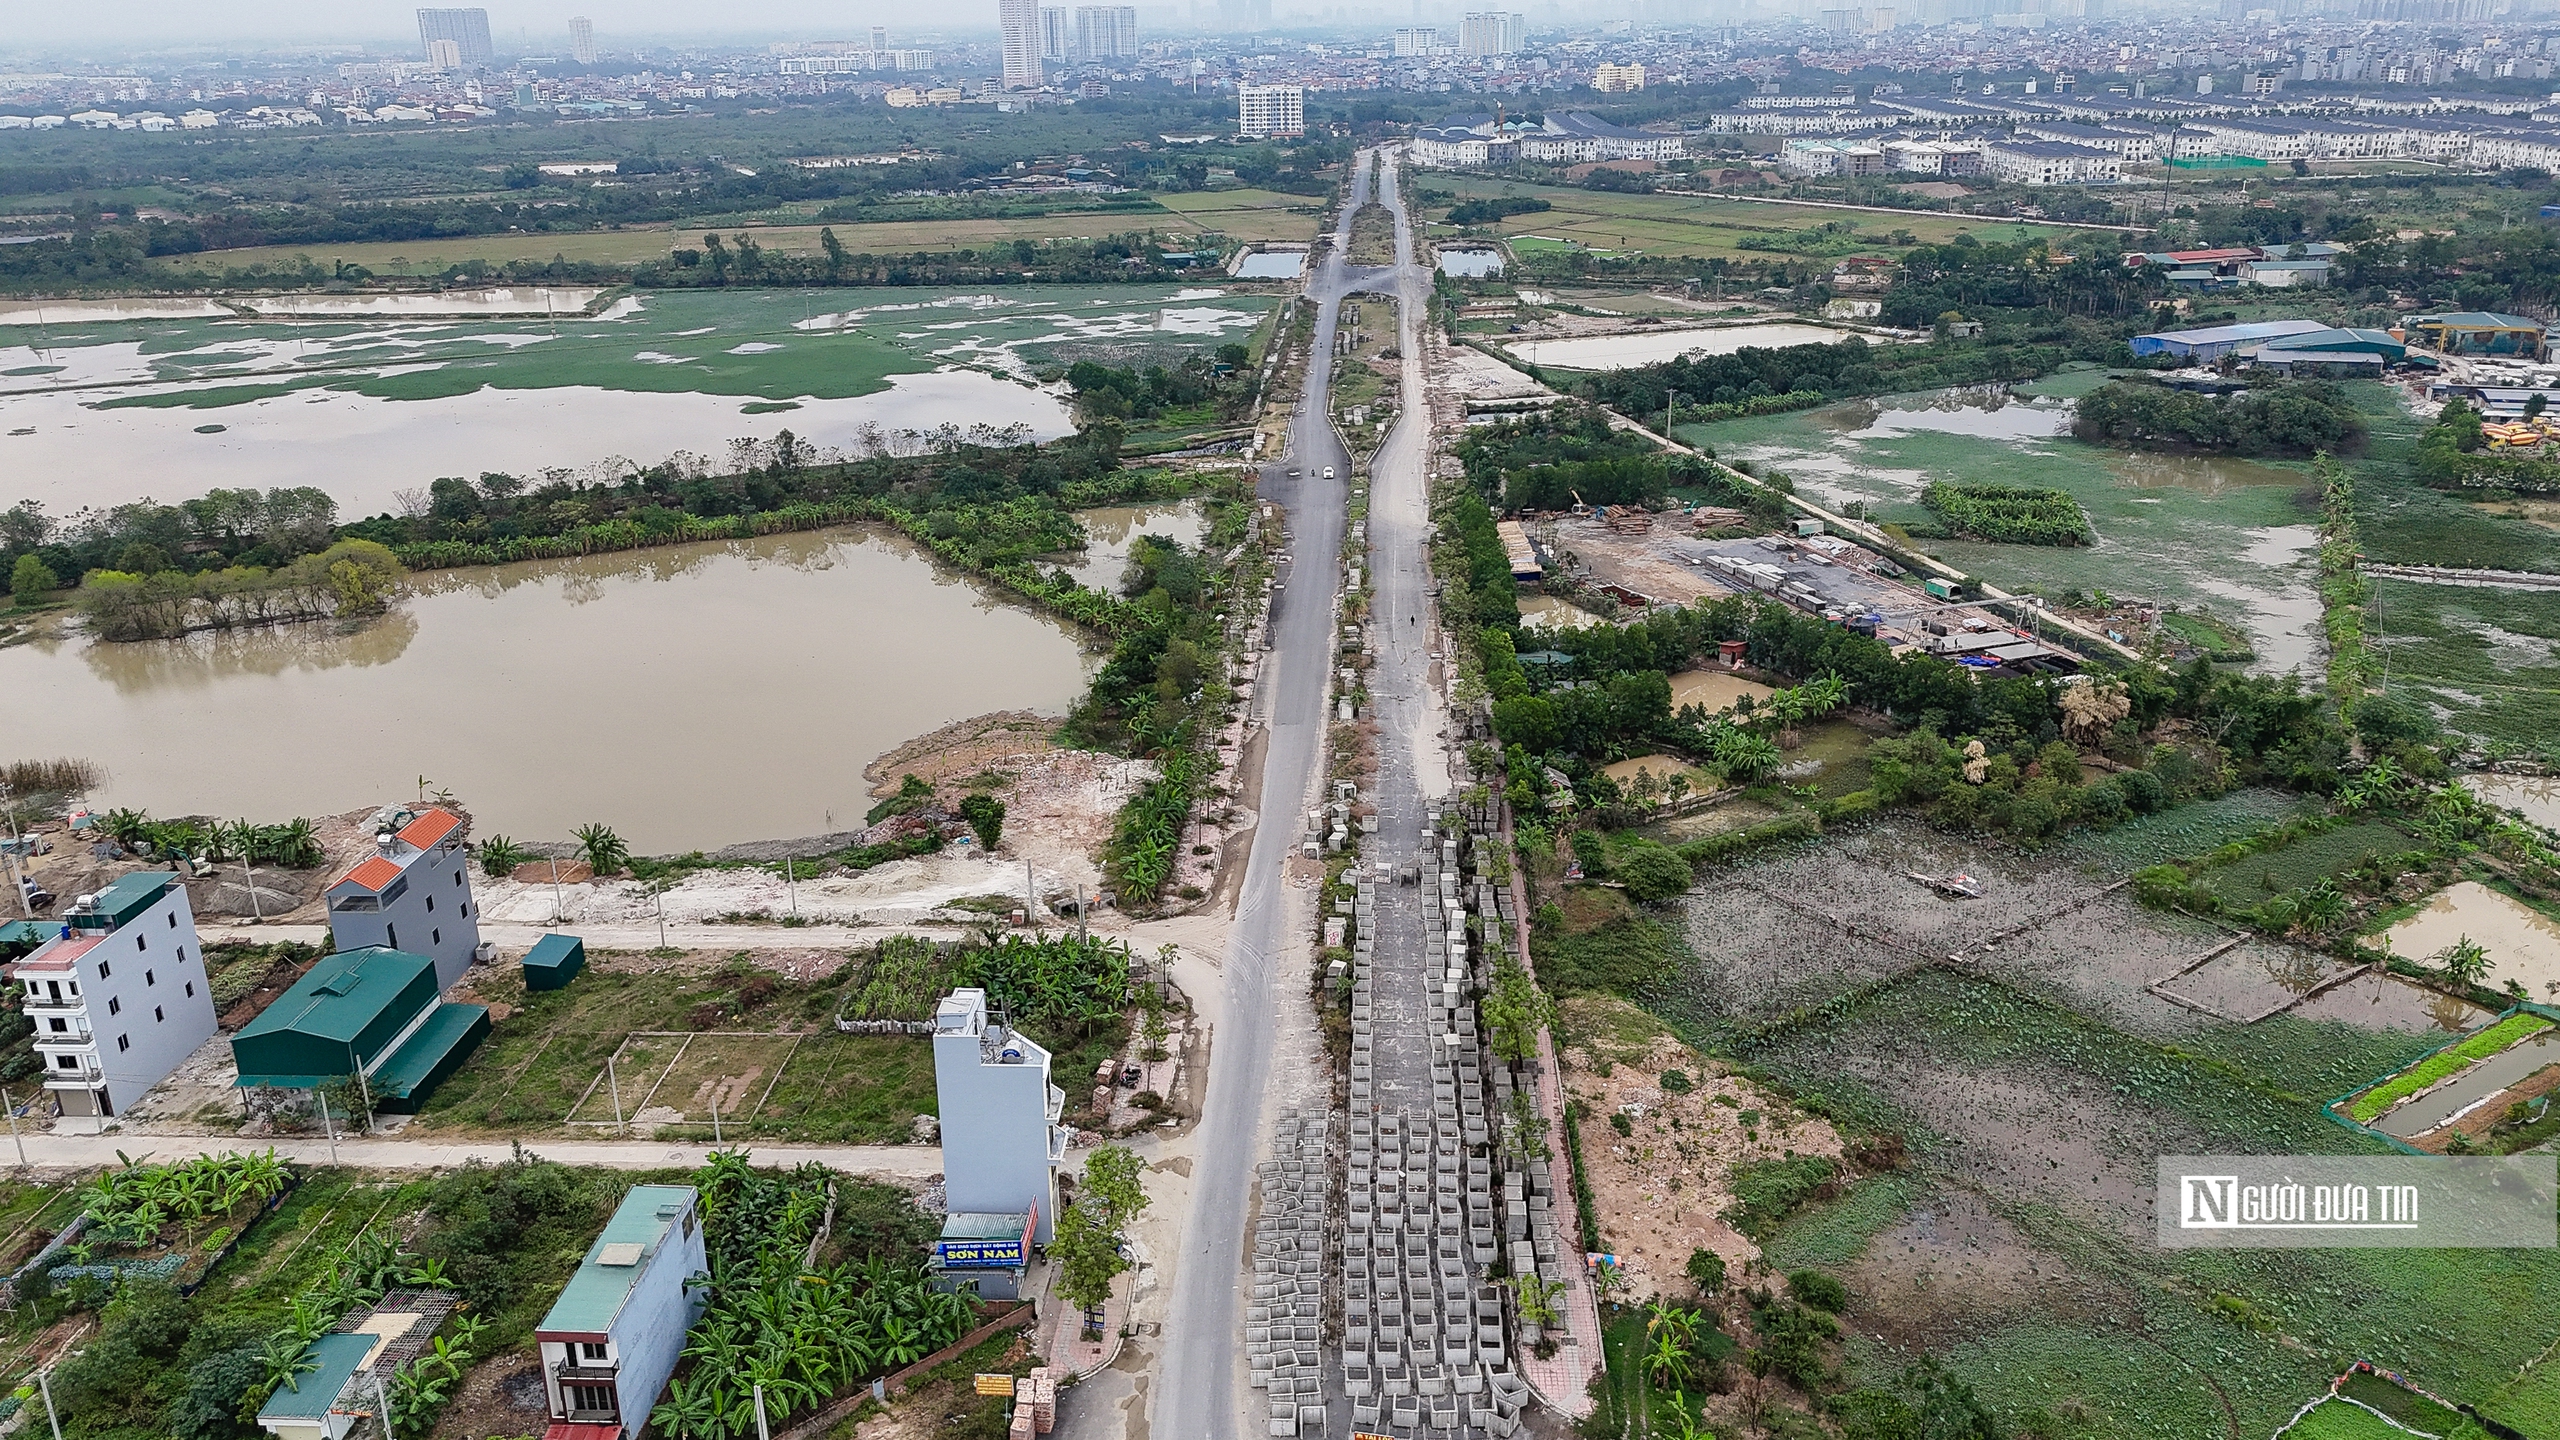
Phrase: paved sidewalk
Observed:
(687, 936)
(66, 1152)
(1061, 1340)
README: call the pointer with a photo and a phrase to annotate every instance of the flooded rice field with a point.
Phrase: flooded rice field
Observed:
(1793, 928)
(1652, 347)
(1470, 263)
(2523, 943)
(2535, 797)
(2235, 538)
(367, 405)
(691, 696)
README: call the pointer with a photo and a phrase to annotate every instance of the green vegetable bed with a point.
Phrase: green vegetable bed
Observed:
(2015, 514)
(2444, 1062)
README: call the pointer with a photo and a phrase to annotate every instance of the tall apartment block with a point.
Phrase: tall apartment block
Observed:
(467, 29)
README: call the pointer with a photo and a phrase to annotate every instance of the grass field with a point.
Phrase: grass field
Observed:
(678, 1050)
(2253, 878)
(2530, 1402)
(1239, 214)
(1700, 226)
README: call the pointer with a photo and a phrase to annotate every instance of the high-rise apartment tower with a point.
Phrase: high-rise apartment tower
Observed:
(1020, 21)
(467, 29)
(1057, 35)
(1492, 32)
(582, 39)
(1106, 32)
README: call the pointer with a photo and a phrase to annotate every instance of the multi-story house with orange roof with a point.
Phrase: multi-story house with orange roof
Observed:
(413, 893)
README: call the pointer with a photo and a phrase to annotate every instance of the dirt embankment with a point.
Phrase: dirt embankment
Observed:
(1659, 1189)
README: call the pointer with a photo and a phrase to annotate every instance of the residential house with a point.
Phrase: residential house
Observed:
(1830, 157)
(371, 1015)
(611, 1340)
(1001, 1144)
(2050, 162)
(413, 894)
(352, 1367)
(119, 996)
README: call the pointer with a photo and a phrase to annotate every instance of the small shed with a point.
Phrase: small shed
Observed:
(554, 961)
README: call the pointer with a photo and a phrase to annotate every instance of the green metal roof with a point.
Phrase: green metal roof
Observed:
(124, 898)
(556, 949)
(435, 1051)
(341, 995)
(595, 1294)
(315, 1391)
(2479, 320)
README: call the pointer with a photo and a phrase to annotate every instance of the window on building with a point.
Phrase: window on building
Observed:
(435, 937)
(141, 942)
(457, 878)
(592, 1352)
(66, 1062)
(124, 1042)
(115, 1004)
(391, 937)
(60, 1025)
(103, 970)
(173, 919)
(431, 904)
(589, 1399)
(191, 989)
(148, 978)
(157, 1017)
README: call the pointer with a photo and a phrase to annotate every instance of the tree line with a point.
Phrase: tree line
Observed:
(2287, 418)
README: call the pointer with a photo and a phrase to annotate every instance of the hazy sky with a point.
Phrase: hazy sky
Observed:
(126, 24)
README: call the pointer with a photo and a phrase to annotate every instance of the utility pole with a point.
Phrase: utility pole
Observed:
(14, 1136)
(791, 884)
(44, 1383)
(662, 919)
(559, 911)
(257, 913)
(326, 1124)
(615, 1085)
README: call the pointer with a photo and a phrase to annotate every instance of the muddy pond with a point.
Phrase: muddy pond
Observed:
(2523, 944)
(2234, 538)
(368, 402)
(691, 696)
(1652, 347)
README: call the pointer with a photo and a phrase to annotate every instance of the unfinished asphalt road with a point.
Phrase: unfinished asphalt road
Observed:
(1204, 1393)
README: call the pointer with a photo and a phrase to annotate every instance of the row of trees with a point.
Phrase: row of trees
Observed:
(351, 578)
(1220, 380)
(2297, 418)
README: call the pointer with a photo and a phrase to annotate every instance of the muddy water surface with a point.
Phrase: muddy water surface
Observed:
(1111, 531)
(1714, 689)
(2535, 797)
(1545, 612)
(2523, 943)
(693, 696)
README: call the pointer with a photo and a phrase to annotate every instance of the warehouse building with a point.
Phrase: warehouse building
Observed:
(371, 1015)
(2212, 342)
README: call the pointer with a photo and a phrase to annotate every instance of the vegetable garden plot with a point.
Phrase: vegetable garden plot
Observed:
(636, 1068)
(668, 1077)
(861, 1089)
(1757, 958)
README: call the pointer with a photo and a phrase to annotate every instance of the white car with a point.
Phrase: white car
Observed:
(1328, 472)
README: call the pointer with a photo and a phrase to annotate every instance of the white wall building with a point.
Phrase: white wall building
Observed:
(582, 40)
(1265, 111)
(1613, 79)
(1001, 1143)
(2050, 162)
(1492, 32)
(413, 893)
(1019, 22)
(1830, 157)
(119, 997)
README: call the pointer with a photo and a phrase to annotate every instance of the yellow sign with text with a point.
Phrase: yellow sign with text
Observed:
(995, 1385)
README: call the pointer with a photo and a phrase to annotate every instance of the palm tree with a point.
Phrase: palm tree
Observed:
(606, 852)
(1668, 1360)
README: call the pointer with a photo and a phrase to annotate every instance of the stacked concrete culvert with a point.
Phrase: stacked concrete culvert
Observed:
(1423, 1345)
(1284, 1322)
